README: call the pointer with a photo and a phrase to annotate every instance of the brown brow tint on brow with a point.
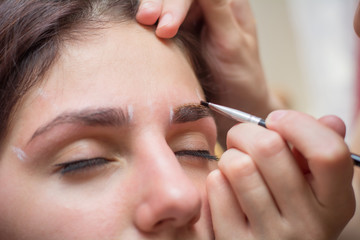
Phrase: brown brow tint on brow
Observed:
(190, 113)
(106, 117)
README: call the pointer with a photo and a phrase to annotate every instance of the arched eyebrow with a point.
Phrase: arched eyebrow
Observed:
(190, 113)
(105, 117)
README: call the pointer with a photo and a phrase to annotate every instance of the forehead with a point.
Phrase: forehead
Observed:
(121, 54)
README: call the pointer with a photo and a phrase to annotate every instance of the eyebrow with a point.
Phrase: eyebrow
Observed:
(105, 117)
(190, 113)
(116, 117)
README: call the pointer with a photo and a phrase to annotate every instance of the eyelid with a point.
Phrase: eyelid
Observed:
(81, 165)
(197, 153)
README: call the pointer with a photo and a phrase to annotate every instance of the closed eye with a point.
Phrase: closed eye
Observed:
(81, 165)
(87, 164)
(197, 153)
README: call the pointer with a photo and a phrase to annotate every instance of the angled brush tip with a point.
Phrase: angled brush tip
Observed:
(204, 103)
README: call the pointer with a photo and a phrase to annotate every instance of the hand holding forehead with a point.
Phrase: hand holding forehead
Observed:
(228, 19)
(223, 17)
(169, 13)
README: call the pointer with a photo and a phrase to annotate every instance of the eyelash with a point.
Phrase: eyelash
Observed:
(197, 153)
(81, 165)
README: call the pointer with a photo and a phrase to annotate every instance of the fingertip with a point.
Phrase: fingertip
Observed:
(217, 183)
(148, 13)
(167, 27)
(274, 117)
(172, 17)
(166, 32)
(223, 203)
(214, 178)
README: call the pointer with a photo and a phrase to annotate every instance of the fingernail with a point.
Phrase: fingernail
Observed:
(165, 20)
(276, 115)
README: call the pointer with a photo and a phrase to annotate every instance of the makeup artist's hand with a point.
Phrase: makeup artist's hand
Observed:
(229, 40)
(265, 189)
(170, 14)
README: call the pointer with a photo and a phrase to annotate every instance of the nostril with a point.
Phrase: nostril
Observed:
(175, 222)
(194, 219)
(163, 222)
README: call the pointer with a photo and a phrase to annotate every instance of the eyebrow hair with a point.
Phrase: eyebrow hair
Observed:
(106, 117)
(190, 113)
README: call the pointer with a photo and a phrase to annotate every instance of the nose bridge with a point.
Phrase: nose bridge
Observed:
(169, 199)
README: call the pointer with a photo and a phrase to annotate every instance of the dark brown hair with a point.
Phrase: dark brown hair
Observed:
(32, 32)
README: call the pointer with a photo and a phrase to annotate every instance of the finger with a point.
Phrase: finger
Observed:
(335, 124)
(249, 188)
(327, 155)
(149, 11)
(276, 164)
(226, 212)
(172, 16)
(219, 17)
(244, 15)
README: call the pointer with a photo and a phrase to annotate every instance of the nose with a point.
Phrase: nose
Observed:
(170, 199)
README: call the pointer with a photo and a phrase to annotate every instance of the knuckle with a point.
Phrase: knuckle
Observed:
(269, 144)
(303, 231)
(348, 209)
(349, 212)
(234, 134)
(332, 153)
(289, 117)
(236, 164)
(231, 45)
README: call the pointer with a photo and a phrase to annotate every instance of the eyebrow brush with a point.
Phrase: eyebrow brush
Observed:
(240, 116)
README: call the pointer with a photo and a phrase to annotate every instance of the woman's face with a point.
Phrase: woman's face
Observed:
(112, 145)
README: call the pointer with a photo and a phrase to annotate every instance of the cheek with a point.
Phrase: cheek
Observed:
(90, 215)
(33, 209)
(95, 220)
